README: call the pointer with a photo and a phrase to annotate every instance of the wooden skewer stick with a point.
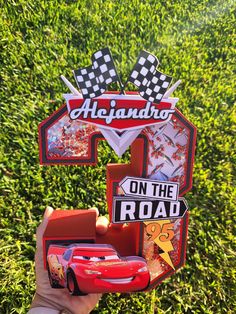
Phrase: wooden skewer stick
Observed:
(70, 86)
(172, 89)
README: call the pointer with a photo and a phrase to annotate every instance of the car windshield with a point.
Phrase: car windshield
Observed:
(95, 256)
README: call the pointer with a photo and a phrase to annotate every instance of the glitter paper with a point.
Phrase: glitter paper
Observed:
(69, 138)
(168, 147)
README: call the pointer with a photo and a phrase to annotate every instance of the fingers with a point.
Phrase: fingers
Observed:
(48, 212)
(91, 300)
(102, 222)
(102, 225)
(96, 211)
(41, 228)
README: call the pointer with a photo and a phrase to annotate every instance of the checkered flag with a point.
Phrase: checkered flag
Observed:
(151, 83)
(93, 80)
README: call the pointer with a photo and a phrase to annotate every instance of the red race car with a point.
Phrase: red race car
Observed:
(95, 268)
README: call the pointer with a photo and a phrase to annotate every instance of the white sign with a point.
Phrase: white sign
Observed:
(127, 209)
(140, 187)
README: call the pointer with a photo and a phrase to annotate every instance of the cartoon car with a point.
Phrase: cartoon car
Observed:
(95, 268)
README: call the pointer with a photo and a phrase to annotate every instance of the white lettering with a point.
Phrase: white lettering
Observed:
(101, 113)
(89, 110)
(145, 210)
(127, 209)
(174, 209)
(161, 210)
(75, 113)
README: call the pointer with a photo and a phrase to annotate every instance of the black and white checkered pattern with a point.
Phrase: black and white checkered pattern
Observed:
(93, 80)
(151, 83)
(104, 66)
(88, 82)
(156, 88)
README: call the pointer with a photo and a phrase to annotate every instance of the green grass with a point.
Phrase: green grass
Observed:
(195, 41)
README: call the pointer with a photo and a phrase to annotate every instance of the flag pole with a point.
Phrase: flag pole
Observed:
(171, 90)
(122, 87)
(70, 86)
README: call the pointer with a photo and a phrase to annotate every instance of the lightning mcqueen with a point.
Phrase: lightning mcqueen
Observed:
(95, 268)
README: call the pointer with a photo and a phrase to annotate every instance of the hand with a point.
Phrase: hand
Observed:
(60, 298)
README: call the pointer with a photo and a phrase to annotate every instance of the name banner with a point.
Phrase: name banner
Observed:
(119, 112)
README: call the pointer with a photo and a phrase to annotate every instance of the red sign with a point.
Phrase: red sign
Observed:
(119, 112)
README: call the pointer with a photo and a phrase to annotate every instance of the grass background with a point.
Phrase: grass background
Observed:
(195, 41)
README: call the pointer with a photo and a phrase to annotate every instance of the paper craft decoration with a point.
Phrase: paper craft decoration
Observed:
(152, 84)
(91, 268)
(93, 80)
(144, 197)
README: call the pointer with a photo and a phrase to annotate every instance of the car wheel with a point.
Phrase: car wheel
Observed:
(72, 284)
(54, 284)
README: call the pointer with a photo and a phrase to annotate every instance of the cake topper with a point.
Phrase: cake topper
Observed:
(144, 197)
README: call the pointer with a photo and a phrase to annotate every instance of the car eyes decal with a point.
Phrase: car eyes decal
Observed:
(95, 258)
(86, 257)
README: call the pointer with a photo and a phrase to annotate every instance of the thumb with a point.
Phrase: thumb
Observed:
(41, 228)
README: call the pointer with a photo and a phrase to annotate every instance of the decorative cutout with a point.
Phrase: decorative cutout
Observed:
(151, 83)
(162, 151)
(93, 80)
